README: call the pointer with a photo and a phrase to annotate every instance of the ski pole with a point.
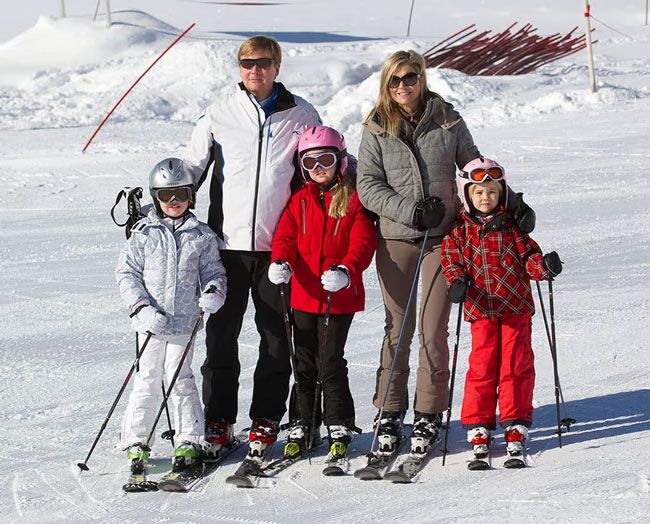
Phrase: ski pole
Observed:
(287, 325)
(172, 383)
(83, 465)
(550, 334)
(566, 421)
(169, 434)
(414, 286)
(319, 383)
(453, 380)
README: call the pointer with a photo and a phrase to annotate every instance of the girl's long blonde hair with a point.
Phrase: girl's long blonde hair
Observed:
(386, 108)
(341, 194)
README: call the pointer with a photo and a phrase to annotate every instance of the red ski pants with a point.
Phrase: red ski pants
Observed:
(501, 360)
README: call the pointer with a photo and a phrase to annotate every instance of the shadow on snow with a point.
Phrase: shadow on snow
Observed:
(597, 418)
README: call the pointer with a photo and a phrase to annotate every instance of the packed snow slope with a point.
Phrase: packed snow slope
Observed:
(65, 346)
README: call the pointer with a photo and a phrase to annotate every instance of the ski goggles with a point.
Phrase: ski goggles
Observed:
(481, 175)
(166, 195)
(250, 63)
(325, 160)
(409, 79)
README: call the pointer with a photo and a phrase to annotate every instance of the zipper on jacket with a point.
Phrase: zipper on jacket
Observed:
(485, 268)
(322, 242)
(260, 140)
(304, 216)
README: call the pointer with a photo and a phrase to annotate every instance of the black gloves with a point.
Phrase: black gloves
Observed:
(458, 289)
(552, 263)
(523, 214)
(428, 213)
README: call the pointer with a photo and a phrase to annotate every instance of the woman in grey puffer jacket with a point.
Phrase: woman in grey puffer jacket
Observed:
(412, 142)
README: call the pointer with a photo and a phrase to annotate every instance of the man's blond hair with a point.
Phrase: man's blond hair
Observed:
(261, 43)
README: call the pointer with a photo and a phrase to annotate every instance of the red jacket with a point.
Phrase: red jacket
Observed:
(311, 241)
(500, 261)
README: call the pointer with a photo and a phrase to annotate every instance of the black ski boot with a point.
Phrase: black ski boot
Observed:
(426, 429)
(389, 434)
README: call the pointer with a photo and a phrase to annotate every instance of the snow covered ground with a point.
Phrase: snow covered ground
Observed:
(580, 158)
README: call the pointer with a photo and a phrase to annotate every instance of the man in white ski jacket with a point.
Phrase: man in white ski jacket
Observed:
(250, 139)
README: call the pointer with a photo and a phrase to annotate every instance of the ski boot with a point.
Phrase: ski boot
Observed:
(138, 454)
(426, 428)
(187, 454)
(263, 434)
(218, 435)
(515, 437)
(480, 440)
(389, 433)
(296, 441)
(339, 438)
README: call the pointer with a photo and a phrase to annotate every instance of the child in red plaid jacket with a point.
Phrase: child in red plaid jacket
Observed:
(488, 263)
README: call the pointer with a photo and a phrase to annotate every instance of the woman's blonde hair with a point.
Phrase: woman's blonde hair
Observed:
(341, 194)
(386, 108)
(261, 43)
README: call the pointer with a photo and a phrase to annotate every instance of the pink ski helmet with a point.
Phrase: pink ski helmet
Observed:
(478, 171)
(323, 137)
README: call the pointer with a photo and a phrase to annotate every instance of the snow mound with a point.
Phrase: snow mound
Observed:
(69, 42)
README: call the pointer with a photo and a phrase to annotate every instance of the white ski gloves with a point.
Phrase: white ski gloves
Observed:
(211, 301)
(335, 279)
(279, 272)
(149, 319)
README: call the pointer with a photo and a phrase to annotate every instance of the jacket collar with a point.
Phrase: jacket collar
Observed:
(285, 100)
(436, 110)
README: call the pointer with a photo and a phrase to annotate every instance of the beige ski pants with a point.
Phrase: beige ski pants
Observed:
(396, 264)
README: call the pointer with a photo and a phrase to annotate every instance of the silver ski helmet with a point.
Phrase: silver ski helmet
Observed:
(167, 174)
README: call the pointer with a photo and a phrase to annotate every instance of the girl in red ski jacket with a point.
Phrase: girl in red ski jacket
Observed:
(488, 264)
(325, 240)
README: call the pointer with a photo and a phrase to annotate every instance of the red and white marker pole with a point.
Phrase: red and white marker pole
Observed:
(134, 84)
(590, 51)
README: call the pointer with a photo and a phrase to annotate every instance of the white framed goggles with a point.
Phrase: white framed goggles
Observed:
(325, 160)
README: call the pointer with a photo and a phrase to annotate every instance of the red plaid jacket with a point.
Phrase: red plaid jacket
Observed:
(500, 261)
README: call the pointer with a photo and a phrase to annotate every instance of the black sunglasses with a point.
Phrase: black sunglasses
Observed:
(409, 79)
(250, 63)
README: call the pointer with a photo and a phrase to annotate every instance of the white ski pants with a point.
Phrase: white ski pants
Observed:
(159, 360)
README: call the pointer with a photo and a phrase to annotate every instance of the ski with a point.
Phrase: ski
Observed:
(479, 464)
(247, 472)
(183, 481)
(405, 472)
(481, 460)
(137, 481)
(516, 459)
(336, 467)
(378, 463)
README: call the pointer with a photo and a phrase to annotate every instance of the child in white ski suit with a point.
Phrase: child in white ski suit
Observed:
(164, 273)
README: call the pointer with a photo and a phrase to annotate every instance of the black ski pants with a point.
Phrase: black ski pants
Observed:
(246, 272)
(308, 333)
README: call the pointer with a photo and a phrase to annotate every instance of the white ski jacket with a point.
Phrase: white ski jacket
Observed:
(166, 263)
(253, 157)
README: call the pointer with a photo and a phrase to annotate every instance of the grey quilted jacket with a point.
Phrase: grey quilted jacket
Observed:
(393, 174)
(167, 263)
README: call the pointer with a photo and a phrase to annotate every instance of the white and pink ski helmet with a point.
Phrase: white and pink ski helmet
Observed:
(478, 171)
(323, 137)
